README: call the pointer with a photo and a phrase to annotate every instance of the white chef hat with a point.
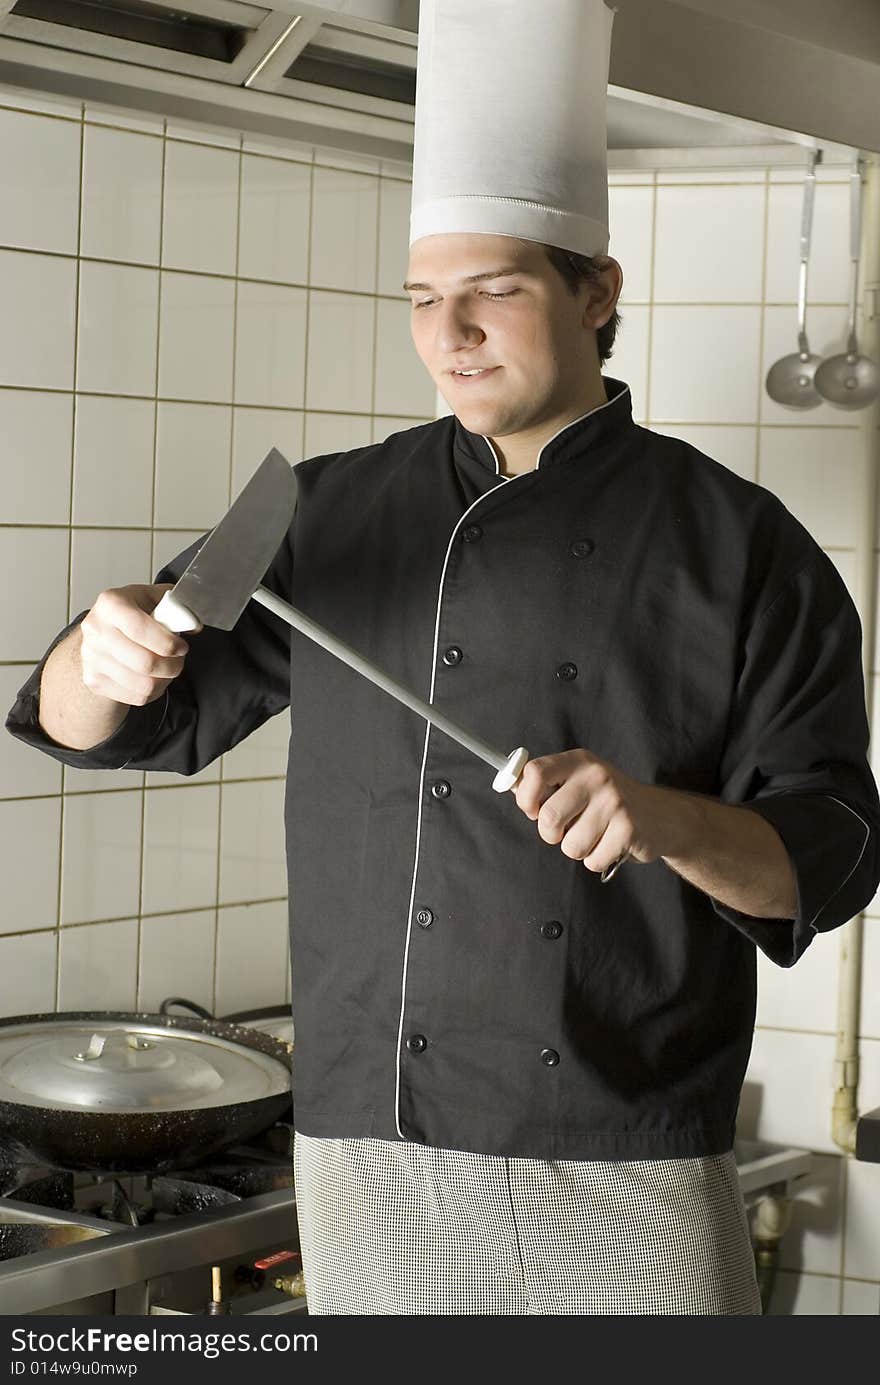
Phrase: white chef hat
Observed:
(510, 121)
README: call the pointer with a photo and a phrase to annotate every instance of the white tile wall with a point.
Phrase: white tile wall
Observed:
(193, 444)
(180, 848)
(30, 838)
(631, 227)
(201, 208)
(118, 321)
(805, 1295)
(38, 293)
(861, 1248)
(28, 964)
(804, 466)
(270, 345)
(336, 433)
(345, 209)
(274, 227)
(793, 1068)
(252, 841)
(708, 243)
(103, 558)
(255, 432)
(177, 959)
(100, 860)
(860, 1298)
(98, 966)
(235, 295)
(38, 209)
(122, 195)
(35, 428)
(394, 201)
(196, 339)
(32, 618)
(704, 363)
(340, 357)
(402, 384)
(113, 461)
(252, 956)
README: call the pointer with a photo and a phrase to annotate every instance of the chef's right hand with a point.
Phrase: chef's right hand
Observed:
(126, 654)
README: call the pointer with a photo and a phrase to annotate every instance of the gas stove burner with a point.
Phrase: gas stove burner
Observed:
(138, 1243)
(39, 1186)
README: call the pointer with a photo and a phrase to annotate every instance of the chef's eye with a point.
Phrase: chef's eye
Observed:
(427, 302)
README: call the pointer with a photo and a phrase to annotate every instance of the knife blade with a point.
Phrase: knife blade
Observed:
(225, 575)
(222, 577)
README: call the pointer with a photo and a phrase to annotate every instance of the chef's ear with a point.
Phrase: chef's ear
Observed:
(603, 290)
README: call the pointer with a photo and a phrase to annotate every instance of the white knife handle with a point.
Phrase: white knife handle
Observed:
(175, 617)
(508, 776)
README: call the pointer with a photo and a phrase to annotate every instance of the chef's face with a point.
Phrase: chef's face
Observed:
(535, 340)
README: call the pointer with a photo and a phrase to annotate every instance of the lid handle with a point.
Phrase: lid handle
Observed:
(116, 1040)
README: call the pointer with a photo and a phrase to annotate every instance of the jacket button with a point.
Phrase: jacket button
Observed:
(452, 656)
(442, 788)
(566, 672)
(552, 929)
(471, 533)
(417, 1043)
(549, 1057)
(424, 918)
(581, 548)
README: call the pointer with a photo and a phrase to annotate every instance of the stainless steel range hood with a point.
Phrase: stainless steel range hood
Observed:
(684, 74)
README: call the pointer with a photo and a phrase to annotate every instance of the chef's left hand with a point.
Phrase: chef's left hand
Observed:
(595, 813)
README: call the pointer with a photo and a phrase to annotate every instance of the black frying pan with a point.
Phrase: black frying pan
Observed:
(142, 1141)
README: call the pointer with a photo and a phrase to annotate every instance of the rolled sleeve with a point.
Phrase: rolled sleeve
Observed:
(797, 755)
(232, 682)
(833, 853)
(129, 741)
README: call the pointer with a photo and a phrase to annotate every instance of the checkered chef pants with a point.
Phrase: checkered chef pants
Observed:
(389, 1227)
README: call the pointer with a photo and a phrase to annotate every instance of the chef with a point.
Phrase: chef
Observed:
(523, 1019)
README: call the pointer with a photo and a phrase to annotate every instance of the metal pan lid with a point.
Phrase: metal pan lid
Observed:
(276, 1020)
(118, 1063)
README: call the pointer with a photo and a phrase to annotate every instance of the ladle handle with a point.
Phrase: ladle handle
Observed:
(806, 231)
(855, 245)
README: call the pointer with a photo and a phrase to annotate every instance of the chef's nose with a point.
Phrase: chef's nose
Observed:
(456, 326)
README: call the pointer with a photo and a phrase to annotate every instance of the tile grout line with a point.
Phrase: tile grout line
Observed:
(153, 914)
(762, 327)
(142, 864)
(62, 814)
(649, 364)
(221, 781)
(375, 361)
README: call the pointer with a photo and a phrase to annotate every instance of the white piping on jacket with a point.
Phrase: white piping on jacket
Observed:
(462, 518)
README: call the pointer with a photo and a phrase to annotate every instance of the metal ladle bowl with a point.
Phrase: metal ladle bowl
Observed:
(790, 381)
(850, 380)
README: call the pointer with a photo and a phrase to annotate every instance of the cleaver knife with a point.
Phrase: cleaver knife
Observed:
(225, 575)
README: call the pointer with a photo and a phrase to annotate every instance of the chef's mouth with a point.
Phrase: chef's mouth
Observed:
(472, 379)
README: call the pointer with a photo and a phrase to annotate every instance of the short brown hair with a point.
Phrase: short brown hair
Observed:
(575, 269)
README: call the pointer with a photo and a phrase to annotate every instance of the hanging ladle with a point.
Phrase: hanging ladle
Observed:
(850, 380)
(790, 380)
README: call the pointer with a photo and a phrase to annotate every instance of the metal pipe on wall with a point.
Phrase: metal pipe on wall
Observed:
(844, 1114)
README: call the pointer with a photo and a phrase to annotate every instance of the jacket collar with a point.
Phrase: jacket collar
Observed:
(599, 425)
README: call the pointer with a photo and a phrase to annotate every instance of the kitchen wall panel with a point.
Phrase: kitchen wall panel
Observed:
(122, 195)
(300, 263)
(35, 428)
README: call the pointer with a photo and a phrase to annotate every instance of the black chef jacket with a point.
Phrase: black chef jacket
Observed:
(457, 981)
